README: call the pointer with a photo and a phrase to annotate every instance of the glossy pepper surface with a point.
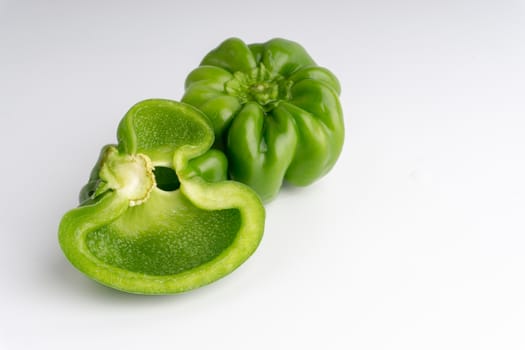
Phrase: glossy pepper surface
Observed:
(275, 112)
(157, 216)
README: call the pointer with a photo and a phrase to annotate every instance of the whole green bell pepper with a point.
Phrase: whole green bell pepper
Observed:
(157, 216)
(274, 112)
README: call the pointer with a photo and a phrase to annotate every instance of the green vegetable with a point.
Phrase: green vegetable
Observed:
(157, 215)
(274, 112)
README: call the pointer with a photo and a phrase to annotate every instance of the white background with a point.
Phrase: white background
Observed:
(415, 240)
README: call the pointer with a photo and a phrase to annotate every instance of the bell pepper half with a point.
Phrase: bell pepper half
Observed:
(157, 215)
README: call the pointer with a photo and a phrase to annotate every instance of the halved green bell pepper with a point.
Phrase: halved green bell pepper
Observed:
(157, 216)
(275, 113)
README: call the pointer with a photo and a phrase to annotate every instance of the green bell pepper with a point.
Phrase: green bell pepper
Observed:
(275, 113)
(157, 216)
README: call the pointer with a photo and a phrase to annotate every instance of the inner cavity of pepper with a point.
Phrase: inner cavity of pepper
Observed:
(166, 178)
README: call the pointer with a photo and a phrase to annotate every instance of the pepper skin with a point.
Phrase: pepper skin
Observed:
(275, 113)
(157, 216)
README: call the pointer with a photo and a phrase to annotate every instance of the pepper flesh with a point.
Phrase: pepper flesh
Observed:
(131, 235)
(275, 113)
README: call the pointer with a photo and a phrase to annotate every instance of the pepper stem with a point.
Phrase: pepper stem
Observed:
(131, 176)
(260, 86)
